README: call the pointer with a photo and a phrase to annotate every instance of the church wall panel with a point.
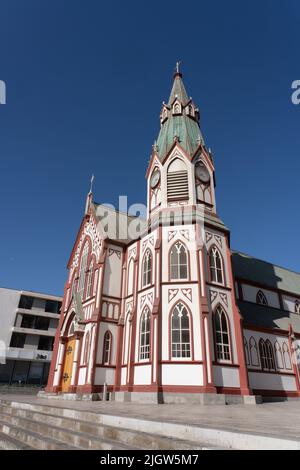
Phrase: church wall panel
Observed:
(113, 272)
(182, 374)
(123, 375)
(142, 375)
(104, 374)
(82, 376)
(272, 382)
(226, 376)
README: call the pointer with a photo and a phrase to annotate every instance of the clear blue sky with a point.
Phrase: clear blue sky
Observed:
(85, 82)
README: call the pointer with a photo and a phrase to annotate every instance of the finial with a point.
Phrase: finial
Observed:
(92, 181)
(177, 66)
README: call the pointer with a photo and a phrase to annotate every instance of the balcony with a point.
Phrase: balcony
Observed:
(28, 354)
(33, 331)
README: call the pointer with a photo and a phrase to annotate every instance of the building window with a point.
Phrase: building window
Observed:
(253, 352)
(52, 306)
(107, 348)
(180, 332)
(266, 355)
(247, 357)
(278, 355)
(17, 340)
(45, 343)
(130, 277)
(286, 357)
(147, 268)
(297, 307)
(216, 266)
(261, 298)
(222, 335)
(145, 335)
(83, 267)
(35, 322)
(178, 261)
(26, 302)
(89, 289)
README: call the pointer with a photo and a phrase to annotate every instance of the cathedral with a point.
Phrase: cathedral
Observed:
(162, 310)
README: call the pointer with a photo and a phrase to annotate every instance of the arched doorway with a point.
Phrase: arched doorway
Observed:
(66, 375)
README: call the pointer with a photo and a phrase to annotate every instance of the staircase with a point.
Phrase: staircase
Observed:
(30, 426)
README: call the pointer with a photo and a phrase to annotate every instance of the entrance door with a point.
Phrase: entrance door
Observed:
(68, 365)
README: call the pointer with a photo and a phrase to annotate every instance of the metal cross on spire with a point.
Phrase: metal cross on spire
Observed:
(177, 66)
(92, 181)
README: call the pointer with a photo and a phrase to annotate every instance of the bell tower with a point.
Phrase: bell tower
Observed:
(181, 169)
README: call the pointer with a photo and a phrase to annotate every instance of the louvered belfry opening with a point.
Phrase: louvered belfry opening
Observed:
(177, 185)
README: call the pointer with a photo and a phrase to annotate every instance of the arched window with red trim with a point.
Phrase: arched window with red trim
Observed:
(145, 335)
(178, 261)
(180, 332)
(86, 352)
(147, 268)
(222, 333)
(216, 266)
(89, 288)
(83, 268)
(107, 347)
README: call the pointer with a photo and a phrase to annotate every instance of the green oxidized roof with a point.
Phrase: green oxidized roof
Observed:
(183, 126)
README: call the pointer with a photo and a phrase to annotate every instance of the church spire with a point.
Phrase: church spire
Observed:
(179, 120)
(178, 89)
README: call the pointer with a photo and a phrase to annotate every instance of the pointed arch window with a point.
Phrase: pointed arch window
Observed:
(147, 268)
(86, 348)
(130, 277)
(297, 306)
(178, 261)
(222, 335)
(216, 266)
(286, 357)
(180, 332)
(145, 335)
(253, 352)
(266, 355)
(83, 267)
(107, 346)
(177, 108)
(89, 289)
(247, 357)
(261, 299)
(278, 355)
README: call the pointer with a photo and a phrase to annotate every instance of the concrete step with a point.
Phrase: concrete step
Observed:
(92, 431)
(31, 440)
(65, 436)
(9, 443)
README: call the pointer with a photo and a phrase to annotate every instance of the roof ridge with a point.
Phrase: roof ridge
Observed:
(267, 262)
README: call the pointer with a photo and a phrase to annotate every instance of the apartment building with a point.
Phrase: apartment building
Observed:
(28, 323)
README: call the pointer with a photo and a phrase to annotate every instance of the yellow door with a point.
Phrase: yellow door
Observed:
(68, 365)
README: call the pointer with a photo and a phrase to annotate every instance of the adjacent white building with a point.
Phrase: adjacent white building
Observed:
(28, 323)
